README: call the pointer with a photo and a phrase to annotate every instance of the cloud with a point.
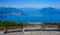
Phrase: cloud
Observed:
(35, 15)
(12, 13)
(4, 14)
(0, 15)
(16, 13)
(3, 5)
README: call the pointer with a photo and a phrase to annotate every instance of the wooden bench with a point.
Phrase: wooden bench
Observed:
(16, 26)
(11, 27)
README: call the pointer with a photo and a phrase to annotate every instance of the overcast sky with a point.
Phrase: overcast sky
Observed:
(30, 3)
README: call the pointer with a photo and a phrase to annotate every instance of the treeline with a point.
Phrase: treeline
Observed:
(52, 24)
(7, 24)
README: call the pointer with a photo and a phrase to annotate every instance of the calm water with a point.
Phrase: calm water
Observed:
(36, 18)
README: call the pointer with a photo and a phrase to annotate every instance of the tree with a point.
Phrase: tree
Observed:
(0, 23)
(58, 27)
(23, 25)
(43, 26)
(5, 23)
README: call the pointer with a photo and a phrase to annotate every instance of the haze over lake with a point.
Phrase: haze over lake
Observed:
(47, 14)
(30, 10)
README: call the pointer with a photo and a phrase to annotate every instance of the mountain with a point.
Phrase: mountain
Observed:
(30, 11)
(50, 10)
(47, 14)
(50, 14)
(10, 11)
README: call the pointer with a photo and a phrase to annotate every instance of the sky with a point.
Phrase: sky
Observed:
(30, 3)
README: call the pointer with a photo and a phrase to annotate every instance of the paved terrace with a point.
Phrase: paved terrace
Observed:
(32, 33)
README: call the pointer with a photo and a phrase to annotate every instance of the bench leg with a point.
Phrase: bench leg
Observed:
(5, 32)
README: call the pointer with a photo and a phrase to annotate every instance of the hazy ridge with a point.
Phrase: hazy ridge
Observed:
(47, 14)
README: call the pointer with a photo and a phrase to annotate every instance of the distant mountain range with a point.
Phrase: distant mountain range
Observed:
(47, 14)
(24, 11)
(50, 10)
(8, 11)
